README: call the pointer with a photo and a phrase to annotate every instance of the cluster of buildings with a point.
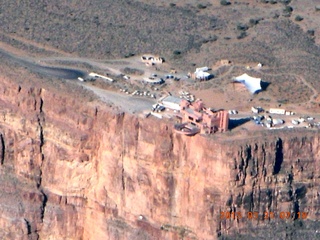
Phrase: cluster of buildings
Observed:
(152, 60)
(195, 117)
(201, 74)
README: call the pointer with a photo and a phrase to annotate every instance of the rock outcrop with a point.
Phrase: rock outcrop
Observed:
(72, 169)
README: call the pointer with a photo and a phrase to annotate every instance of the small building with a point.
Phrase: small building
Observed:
(204, 119)
(153, 80)
(171, 102)
(277, 111)
(277, 121)
(202, 76)
(202, 69)
(152, 59)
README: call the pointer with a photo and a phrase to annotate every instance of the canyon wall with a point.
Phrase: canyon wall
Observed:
(78, 169)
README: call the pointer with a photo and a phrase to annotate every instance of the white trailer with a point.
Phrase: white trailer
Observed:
(277, 111)
(92, 74)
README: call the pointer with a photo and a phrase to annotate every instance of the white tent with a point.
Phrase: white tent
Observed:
(251, 83)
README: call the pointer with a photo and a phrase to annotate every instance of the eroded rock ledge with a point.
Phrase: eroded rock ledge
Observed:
(72, 169)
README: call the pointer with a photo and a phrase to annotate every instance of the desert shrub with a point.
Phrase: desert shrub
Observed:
(286, 2)
(242, 35)
(176, 52)
(213, 38)
(134, 71)
(172, 4)
(253, 22)
(201, 6)
(242, 27)
(276, 15)
(264, 1)
(287, 11)
(225, 2)
(317, 8)
(298, 18)
(273, 1)
(310, 32)
(129, 55)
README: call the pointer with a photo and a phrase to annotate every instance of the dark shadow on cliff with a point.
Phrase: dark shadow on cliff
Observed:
(233, 123)
(279, 157)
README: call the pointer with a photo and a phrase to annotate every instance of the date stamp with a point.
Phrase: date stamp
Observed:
(262, 216)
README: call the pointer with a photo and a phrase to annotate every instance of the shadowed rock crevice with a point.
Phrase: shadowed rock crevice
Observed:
(28, 226)
(3, 149)
(278, 157)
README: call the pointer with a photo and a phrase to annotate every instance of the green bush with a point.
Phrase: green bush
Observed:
(285, 2)
(298, 18)
(176, 52)
(201, 6)
(310, 32)
(172, 4)
(213, 38)
(242, 35)
(225, 2)
(253, 22)
(242, 27)
(288, 9)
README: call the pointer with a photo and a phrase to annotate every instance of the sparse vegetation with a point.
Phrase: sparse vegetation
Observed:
(225, 2)
(133, 71)
(172, 4)
(276, 15)
(310, 32)
(287, 11)
(253, 22)
(201, 6)
(213, 38)
(129, 55)
(176, 52)
(285, 2)
(242, 35)
(298, 18)
(242, 27)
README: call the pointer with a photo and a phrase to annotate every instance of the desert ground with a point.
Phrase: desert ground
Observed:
(282, 35)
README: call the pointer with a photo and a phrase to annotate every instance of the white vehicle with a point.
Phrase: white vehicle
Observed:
(233, 112)
(295, 122)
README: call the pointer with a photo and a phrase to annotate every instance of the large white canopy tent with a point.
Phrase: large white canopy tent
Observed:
(251, 83)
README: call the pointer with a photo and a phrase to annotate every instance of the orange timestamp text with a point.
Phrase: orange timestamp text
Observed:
(265, 215)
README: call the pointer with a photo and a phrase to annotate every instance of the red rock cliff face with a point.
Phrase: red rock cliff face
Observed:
(81, 170)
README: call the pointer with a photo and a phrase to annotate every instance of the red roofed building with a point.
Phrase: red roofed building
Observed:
(207, 121)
